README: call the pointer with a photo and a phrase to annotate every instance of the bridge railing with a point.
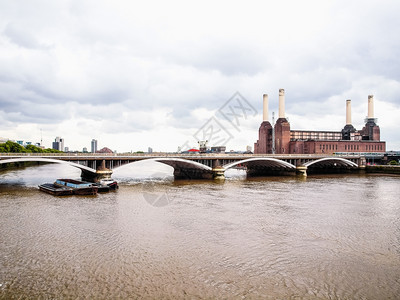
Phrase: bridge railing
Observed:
(170, 154)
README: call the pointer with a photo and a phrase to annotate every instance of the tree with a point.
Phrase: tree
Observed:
(11, 147)
(33, 149)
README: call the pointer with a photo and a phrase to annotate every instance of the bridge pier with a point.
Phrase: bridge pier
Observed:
(301, 170)
(95, 177)
(101, 173)
(218, 173)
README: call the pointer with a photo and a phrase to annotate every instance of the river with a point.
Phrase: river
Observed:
(323, 237)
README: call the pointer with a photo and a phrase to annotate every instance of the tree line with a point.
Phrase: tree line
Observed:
(12, 147)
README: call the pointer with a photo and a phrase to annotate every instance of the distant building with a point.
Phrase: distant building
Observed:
(150, 150)
(84, 150)
(105, 150)
(20, 143)
(58, 144)
(66, 149)
(93, 146)
(218, 149)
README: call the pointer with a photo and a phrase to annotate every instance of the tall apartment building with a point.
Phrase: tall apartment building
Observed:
(58, 144)
(93, 146)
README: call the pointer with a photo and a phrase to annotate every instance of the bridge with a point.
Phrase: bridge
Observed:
(195, 166)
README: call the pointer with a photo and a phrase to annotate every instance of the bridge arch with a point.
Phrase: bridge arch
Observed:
(183, 168)
(182, 163)
(261, 162)
(48, 160)
(173, 162)
(331, 162)
(186, 169)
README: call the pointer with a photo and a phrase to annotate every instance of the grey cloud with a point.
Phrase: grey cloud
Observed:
(20, 36)
(231, 58)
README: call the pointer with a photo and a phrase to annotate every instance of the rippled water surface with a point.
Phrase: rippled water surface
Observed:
(324, 237)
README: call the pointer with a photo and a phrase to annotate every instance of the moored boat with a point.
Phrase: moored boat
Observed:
(111, 183)
(56, 190)
(102, 188)
(105, 185)
(78, 187)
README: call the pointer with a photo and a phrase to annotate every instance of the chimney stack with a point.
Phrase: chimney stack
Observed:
(281, 103)
(348, 112)
(265, 107)
(370, 106)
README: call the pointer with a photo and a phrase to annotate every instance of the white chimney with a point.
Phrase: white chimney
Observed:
(281, 103)
(265, 107)
(348, 112)
(370, 106)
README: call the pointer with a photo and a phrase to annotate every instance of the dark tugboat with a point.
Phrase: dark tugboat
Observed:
(111, 183)
(105, 185)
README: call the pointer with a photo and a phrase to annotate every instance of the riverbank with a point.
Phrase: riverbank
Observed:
(383, 169)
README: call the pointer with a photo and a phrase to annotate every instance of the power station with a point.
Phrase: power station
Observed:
(280, 139)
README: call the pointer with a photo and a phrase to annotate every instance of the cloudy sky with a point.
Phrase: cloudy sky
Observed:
(163, 74)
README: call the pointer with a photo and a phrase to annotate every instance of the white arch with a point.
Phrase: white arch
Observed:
(49, 160)
(341, 161)
(273, 161)
(172, 162)
(180, 162)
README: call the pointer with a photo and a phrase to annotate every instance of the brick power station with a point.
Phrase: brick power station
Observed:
(287, 141)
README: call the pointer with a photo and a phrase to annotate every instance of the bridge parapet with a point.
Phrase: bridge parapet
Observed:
(207, 165)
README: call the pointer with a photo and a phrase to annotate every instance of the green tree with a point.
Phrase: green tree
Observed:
(14, 147)
(11, 147)
(33, 149)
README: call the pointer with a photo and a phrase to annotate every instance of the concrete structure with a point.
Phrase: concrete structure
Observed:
(93, 146)
(58, 144)
(348, 140)
(265, 108)
(195, 166)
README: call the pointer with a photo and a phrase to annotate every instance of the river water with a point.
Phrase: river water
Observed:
(323, 237)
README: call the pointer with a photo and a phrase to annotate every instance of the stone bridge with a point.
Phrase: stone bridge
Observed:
(195, 166)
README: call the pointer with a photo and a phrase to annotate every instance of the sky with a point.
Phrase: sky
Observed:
(165, 74)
